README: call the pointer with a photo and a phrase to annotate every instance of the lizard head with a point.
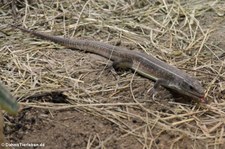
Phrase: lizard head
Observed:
(191, 88)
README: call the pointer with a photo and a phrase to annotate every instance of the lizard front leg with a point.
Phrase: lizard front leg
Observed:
(154, 90)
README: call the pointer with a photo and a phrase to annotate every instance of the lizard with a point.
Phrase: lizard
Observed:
(146, 65)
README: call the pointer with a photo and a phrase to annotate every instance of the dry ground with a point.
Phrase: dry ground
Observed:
(69, 99)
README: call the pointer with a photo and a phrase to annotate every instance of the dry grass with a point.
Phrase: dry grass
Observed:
(171, 30)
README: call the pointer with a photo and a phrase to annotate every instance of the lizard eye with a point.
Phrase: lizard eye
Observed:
(191, 87)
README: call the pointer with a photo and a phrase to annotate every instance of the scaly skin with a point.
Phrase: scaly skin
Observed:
(146, 65)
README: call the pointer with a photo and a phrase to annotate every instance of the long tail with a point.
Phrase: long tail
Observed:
(103, 49)
(55, 39)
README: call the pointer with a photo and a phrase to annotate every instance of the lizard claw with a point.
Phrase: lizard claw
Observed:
(152, 91)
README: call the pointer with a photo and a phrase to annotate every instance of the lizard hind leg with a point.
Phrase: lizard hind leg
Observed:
(118, 67)
(122, 65)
